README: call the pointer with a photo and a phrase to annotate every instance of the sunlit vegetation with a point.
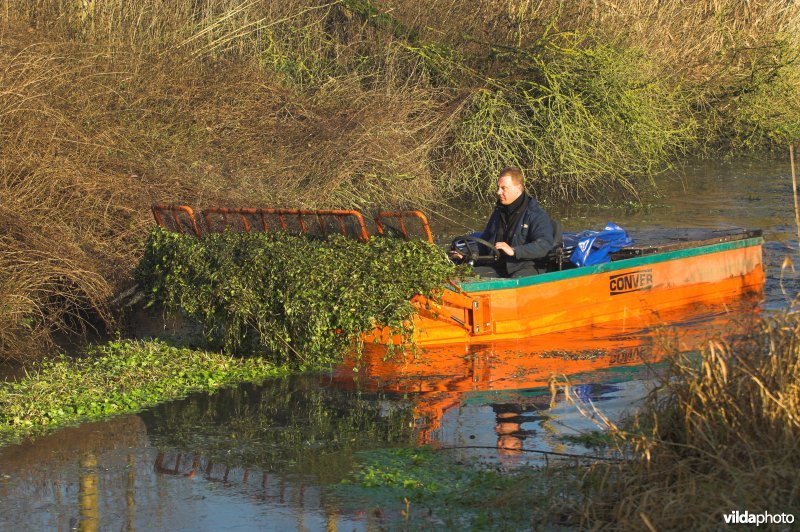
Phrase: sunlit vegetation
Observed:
(720, 434)
(108, 107)
(120, 377)
(295, 298)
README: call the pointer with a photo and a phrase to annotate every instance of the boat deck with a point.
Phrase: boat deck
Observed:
(649, 241)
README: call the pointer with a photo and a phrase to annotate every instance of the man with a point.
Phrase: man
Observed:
(520, 230)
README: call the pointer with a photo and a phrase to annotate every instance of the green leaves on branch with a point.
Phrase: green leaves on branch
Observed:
(298, 298)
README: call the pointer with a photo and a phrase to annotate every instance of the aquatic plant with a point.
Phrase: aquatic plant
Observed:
(299, 298)
(423, 488)
(116, 378)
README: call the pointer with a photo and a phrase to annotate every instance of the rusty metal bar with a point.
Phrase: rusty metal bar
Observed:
(402, 216)
(299, 214)
(321, 223)
(174, 210)
(224, 212)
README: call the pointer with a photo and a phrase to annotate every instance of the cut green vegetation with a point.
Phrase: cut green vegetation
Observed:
(300, 299)
(120, 377)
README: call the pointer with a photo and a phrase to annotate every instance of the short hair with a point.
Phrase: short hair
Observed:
(514, 173)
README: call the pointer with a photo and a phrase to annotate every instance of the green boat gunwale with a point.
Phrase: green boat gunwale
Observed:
(504, 284)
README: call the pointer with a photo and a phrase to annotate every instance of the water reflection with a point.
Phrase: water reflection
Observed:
(528, 394)
(239, 457)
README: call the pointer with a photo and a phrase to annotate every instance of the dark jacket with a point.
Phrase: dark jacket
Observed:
(533, 236)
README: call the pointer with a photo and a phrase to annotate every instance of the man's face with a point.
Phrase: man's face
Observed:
(507, 190)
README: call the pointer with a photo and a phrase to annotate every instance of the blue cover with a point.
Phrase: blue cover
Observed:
(594, 247)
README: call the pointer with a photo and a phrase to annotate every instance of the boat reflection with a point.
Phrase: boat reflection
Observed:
(525, 382)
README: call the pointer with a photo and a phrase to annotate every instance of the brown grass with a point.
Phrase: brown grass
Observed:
(719, 435)
(167, 121)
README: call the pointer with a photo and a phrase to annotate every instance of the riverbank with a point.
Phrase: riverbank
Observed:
(119, 377)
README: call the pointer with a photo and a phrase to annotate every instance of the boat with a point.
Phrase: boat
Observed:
(659, 272)
(640, 282)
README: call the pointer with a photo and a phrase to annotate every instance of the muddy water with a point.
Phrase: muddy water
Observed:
(267, 456)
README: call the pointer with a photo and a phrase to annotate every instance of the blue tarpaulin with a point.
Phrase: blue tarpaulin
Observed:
(594, 247)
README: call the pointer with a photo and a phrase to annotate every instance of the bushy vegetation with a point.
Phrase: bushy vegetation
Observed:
(720, 434)
(117, 378)
(301, 299)
(108, 107)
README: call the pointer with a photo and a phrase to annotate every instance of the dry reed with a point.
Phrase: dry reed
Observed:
(719, 435)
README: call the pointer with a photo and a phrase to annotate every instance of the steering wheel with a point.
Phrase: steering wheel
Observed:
(471, 256)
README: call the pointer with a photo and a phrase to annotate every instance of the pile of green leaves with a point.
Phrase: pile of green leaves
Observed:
(301, 299)
(120, 377)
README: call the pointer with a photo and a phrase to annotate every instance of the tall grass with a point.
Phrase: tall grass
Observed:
(106, 107)
(719, 435)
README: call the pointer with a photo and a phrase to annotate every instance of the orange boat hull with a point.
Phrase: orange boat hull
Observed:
(638, 288)
(442, 376)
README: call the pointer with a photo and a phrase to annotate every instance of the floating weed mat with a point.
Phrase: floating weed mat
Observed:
(300, 299)
(421, 488)
(117, 378)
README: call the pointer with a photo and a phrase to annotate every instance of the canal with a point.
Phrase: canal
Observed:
(283, 455)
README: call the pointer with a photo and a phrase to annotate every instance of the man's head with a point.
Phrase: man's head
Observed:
(510, 185)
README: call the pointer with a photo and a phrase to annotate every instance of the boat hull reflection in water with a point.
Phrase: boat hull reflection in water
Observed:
(519, 387)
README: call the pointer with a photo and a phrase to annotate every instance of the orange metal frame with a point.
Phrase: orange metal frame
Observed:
(174, 211)
(337, 216)
(402, 216)
(218, 217)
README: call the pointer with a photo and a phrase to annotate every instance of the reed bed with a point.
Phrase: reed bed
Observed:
(107, 107)
(720, 434)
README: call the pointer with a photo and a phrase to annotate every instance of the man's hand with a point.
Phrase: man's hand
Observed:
(505, 248)
(455, 255)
